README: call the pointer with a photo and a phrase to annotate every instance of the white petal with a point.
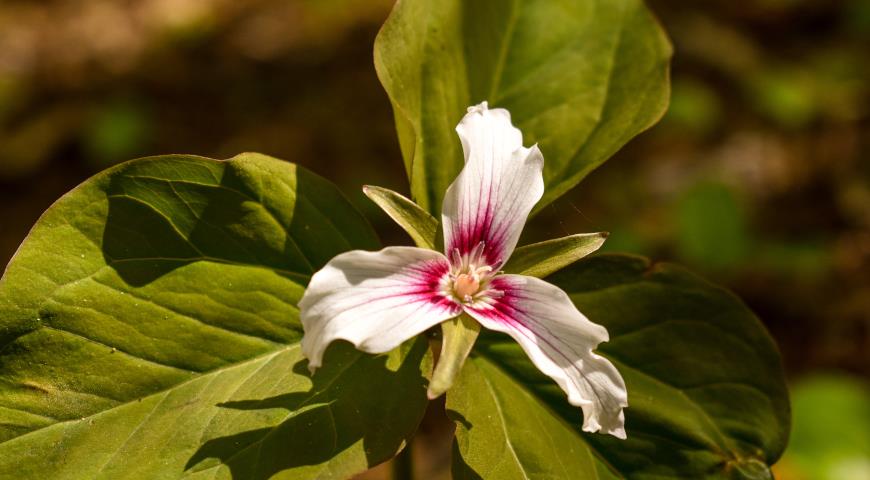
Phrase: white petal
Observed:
(559, 340)
(375, 300)
(491, 198)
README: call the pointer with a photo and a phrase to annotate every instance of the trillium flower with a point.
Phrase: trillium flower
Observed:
(377, 300)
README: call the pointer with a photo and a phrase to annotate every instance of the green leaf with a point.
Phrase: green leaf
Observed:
(504, 432)
(544, 258)
(580, 78)
(706, 389)
(421, 226)
(149, 329)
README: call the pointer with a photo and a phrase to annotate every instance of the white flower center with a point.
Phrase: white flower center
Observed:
(467, 284)
(469, 276)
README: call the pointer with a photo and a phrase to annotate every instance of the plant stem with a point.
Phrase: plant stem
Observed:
(403, 464)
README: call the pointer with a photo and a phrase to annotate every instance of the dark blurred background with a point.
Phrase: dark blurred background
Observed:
(758, 177)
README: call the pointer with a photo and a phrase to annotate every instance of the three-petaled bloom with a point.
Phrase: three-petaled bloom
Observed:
(377, 300)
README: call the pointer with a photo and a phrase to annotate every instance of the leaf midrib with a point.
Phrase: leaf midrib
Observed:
(498, 72)
(543, 404)
(265, 356)
(507, 438)
(51, 297)
(303, 406)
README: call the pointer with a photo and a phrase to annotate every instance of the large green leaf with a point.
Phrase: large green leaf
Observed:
(706, 389)
(581, 78)
(149, 329)
(504, 432)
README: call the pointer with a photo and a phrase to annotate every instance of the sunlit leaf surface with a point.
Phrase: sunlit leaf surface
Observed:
(150, 330)
(581, 78)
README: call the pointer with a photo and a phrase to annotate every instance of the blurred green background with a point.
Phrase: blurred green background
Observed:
(757, 178)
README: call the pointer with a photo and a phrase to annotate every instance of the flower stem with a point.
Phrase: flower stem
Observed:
(403, 465)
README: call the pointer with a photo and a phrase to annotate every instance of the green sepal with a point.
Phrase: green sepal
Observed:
(420, 225)
(542, 259)
(458, 337)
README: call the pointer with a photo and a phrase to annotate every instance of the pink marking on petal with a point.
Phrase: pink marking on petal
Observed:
(481, 226)
(427, 285)
(424, 285)
(480, 229)
(508, 311)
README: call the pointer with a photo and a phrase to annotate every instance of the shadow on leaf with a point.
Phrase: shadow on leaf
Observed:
(325, 423)
(163, 218)
(460, 469)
